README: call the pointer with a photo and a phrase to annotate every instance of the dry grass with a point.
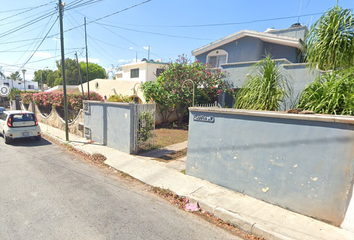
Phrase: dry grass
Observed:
(165, 137)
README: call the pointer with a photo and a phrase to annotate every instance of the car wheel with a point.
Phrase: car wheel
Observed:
(6, 139)
(38, 138)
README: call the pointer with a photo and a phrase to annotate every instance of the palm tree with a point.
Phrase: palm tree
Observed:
(330, 41)
(267, 90)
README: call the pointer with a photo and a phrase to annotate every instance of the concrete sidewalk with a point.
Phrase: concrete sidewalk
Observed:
(249, 214)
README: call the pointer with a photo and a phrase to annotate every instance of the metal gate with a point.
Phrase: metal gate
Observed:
(144, 126)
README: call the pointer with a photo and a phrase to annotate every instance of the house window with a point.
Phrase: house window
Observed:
(30, 86)
(159, 71)
(134, 73)
(216, 58)
(6, 84)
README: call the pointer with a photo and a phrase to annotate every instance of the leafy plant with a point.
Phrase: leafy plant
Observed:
(266, 90)
(330, 41)
(120, 98)
(146, 124)
(173, 92)
(13, 93)
(331, 93)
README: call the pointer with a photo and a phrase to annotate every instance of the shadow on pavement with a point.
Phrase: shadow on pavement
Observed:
(29, 142)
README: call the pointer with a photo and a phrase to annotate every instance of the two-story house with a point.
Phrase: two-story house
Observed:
(128, 80)
(236, 54)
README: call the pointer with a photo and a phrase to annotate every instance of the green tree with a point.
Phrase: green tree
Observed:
(42, 76)
(95, 71)
(71, 73)
(14, 76)
(174, 93)
(330, 41)
(266, 90)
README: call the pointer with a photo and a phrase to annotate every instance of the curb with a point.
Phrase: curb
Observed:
(243, 223)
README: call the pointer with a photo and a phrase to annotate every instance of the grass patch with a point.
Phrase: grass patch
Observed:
(165, 137)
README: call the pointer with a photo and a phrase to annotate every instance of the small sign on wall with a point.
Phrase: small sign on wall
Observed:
(202, 118)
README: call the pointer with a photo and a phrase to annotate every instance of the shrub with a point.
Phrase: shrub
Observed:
(120, 98)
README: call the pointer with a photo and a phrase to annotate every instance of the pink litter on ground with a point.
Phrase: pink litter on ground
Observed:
(192, 207)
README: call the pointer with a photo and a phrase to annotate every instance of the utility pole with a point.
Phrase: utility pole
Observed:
(80, 78)
(87, 72)
(63, 70)
(41, 80)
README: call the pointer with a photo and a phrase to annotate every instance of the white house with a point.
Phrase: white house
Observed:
(128, 80)
(19, 84)
(142, 71)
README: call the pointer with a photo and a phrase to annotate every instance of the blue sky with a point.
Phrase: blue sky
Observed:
(118, 31)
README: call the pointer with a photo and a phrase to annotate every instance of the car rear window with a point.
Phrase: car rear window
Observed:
(23, 117)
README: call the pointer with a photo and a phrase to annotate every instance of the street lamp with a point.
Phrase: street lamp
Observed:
(24, 79)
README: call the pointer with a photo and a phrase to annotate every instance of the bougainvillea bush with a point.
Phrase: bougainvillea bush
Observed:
(173, 89)
(47, 100)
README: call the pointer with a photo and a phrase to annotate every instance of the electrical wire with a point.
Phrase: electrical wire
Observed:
(20, 13)
(40, 42)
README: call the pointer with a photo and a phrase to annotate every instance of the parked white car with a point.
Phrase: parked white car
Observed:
(19, 124)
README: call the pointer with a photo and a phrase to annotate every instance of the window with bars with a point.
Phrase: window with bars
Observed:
(216, 61)
(134, 73)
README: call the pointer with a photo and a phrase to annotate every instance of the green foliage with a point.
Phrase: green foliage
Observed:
(173, 92)
(95, 71)
(330, 41)
(331, 93)
(54, 78)
(47, 77)
(13, 93)
(119, 98)
(266, 90)
(146, 125)
(14, 76)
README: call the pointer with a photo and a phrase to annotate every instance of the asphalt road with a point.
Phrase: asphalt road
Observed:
(46, 193)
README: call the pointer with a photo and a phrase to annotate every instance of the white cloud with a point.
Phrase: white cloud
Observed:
(131, 48)
(42, 54)
(91, 60)
(147, 47)
(55, 39)
(123, 60)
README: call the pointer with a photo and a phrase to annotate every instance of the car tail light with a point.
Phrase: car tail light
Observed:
(35, 120)
(9, 122)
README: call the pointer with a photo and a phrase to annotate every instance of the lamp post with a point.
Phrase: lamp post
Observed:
(24, 79)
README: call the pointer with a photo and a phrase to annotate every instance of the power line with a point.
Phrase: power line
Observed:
(20, 9)
(42, 50)
(40, 42)
(27, 24)
(33, 8)
(160, 34)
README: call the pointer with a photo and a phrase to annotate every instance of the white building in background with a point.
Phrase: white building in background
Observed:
(140, 71)
(128, 80)
(19, 84)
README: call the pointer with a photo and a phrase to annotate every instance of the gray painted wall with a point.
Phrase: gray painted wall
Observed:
(297, 32)
(278, 51)
(299, 162)
(253, 49)
(111, 124)
(298, 75)
(242, 50)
